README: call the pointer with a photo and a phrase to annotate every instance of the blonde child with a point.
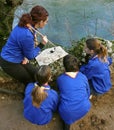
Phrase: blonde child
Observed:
(40, 100)
(97, 70)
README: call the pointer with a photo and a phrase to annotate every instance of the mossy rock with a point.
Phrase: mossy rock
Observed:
(6, 16)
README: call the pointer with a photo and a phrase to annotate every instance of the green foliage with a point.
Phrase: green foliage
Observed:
(6, 18)
(5, 24)
(77, 50)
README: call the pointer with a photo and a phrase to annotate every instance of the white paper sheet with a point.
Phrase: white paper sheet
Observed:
(50, 55)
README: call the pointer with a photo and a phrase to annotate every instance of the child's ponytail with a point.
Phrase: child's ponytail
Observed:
(38, 95)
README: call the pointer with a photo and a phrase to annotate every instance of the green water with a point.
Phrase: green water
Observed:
(73, 19)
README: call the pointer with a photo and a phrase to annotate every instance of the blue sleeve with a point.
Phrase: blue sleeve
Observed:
(109, 60)
(82, 68)
(88, 70)
(86, 85)
(29, 88)
(55, 101)
(88, 89)
(29, 50)
(58, 81)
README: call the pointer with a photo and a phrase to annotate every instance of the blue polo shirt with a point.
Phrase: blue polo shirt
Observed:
(98, 73)
(74, 97)
(43, 114)
(20, 44)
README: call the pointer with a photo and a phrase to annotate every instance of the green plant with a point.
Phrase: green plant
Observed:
(77, 49)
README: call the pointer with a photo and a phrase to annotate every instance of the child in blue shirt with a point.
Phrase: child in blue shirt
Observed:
(40, 100)
(74, 93)
(97, 70)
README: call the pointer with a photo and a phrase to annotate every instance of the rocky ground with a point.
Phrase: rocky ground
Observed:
(100, 117)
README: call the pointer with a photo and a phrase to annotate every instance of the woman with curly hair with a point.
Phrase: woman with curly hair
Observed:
(22, 45)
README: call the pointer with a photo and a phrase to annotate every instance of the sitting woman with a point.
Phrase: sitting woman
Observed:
(23, 46)
(97, 70)
(40, 100)
(74, 93)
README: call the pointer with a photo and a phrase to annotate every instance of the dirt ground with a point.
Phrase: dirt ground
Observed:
(100, 117)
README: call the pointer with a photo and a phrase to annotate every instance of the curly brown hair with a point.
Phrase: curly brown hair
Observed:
(37, 14)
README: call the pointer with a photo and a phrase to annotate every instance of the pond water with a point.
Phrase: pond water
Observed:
(73, 19)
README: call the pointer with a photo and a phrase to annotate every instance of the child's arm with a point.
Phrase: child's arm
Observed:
(109, 60)
(55, 101)
(88, 89)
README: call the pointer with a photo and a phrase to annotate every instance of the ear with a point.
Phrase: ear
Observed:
(40, 23)
(28, 25)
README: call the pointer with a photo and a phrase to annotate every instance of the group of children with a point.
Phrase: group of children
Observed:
(75, 86)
